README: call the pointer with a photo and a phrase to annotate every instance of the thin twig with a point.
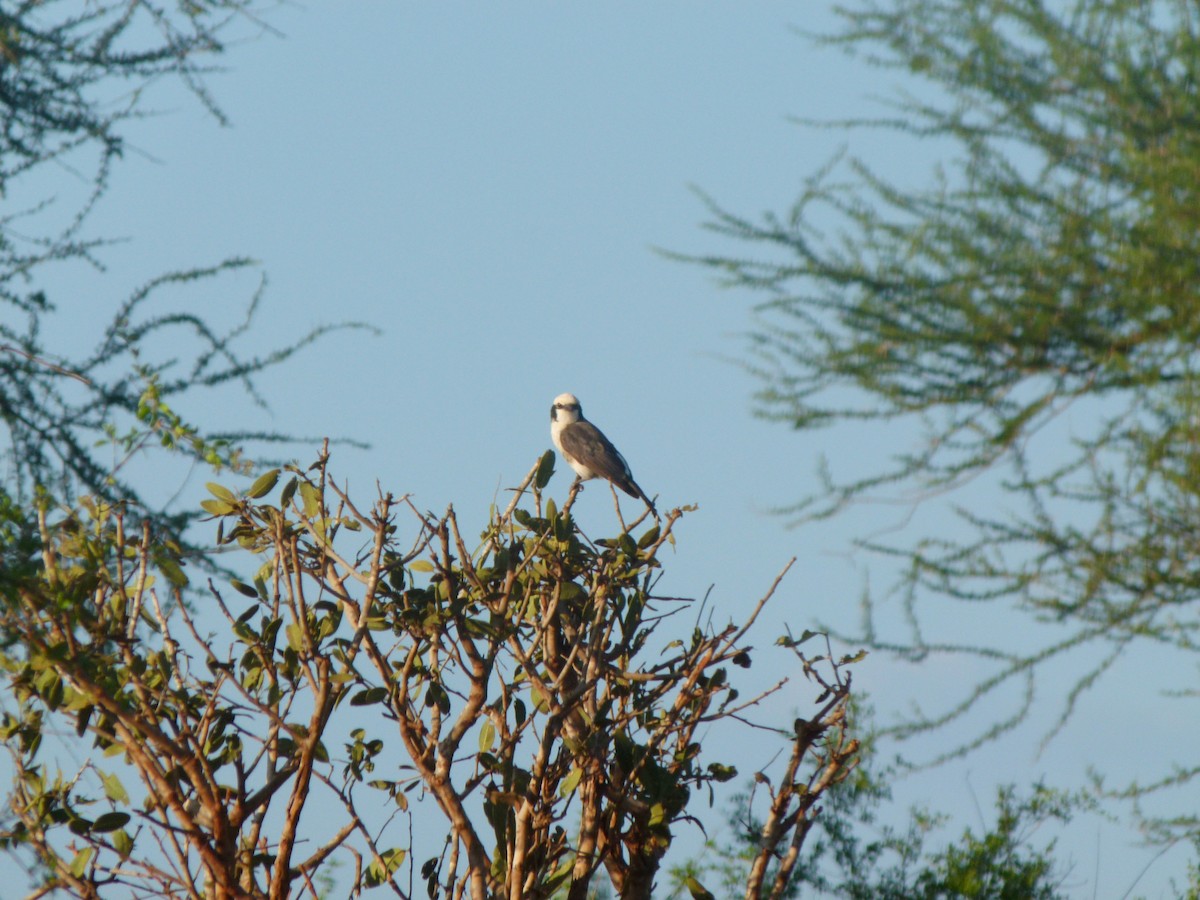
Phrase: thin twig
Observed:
(46, 363)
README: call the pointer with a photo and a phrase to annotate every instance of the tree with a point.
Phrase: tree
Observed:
(244, 739)
(1052, 267)
(225, 724)
(853, 855)
(71, 79)
(526, 683)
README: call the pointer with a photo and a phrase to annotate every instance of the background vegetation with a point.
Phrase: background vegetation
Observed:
(172, 734)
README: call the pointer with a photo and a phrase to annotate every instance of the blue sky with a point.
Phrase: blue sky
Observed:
(487, 185)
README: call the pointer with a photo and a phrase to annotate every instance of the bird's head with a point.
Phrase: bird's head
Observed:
(565, 410)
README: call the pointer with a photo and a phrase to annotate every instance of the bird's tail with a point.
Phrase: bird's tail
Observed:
(633, 490)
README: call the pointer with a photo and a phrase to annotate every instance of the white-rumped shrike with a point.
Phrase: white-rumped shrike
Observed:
(588, 451)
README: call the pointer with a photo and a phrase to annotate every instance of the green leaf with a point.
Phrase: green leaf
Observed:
(570, 782)
(263, 485)
(487, 736)
(721, 772)
(122, 843)
(85, 716)
(369, 696)
(113, 789)
(569, 590)
(648, 538)
(171, 571)
(289, 491)
(244, 589)
(311, 498)
(436, 696)
(697, 890)
(80, 862)
(110, 821)
(295, 636)
(217, 507)
(384, 866)
(221, 493)
(545, 469)
(420, 565)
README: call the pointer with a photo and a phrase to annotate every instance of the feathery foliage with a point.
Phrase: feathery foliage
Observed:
(1031, 314)
(72, 77)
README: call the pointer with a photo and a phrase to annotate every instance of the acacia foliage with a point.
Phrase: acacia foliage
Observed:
(1029, 316)
(74, 75)
(523, 687)
(73, 78)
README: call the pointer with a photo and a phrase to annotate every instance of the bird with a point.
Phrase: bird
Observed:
(588, 451)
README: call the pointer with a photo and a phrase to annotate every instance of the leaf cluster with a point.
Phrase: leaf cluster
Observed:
(522, 684)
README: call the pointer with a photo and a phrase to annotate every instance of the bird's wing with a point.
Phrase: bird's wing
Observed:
(583, 442)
